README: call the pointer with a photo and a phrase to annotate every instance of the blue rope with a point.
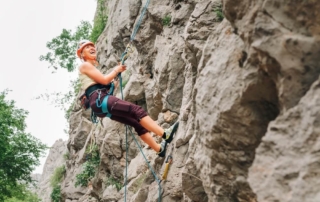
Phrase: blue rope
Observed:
(133, 35)
(126, 178)
(139, 146)
(123, 59)
(145, 158)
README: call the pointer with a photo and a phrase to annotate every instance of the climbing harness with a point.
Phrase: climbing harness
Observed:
(104, 104)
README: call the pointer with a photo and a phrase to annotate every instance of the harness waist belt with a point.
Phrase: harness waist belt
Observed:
(95, 87)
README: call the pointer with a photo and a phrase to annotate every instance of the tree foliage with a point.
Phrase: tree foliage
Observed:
(19, 151)
(62, 54)
(56, 194)
(100, 21)
(63, 48)
(63, 101)
(21, 193)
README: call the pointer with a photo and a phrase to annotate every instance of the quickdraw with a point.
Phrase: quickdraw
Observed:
(166, 168)
(127, 52)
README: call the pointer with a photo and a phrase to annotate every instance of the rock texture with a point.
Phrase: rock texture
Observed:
(287, 164)
(245, 90)
(54, 160)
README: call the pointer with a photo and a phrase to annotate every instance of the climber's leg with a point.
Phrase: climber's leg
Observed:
(151, 125)
(131, 122)
(147, 138)
(126, 109)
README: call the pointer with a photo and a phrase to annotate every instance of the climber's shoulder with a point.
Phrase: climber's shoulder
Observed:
(85, 66)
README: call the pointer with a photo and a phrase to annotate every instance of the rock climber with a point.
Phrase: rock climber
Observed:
(96, 87)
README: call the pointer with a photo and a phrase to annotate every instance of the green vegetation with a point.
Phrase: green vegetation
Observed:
(166, 20)
(66, 156)
(219, 13)
(56, 194)
(64, 101)
(137, 184)
(114, 181)
(89, 167)
(125, 78)
(55, 181)
(124, 83)
(100, 21)
(69, 97)
(21, 194)
(19, 151)
(63, 47)
(57, 176)
(62, 51)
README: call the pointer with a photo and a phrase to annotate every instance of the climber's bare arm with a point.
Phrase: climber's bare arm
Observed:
(92, 72)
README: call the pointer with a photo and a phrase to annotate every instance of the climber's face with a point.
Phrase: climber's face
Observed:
(89, 52)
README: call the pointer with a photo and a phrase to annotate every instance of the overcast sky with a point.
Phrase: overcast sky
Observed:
(26, 27)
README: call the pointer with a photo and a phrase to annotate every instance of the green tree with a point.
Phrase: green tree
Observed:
(21, 194)
(63, 47)
(19, 151)
(62, 54)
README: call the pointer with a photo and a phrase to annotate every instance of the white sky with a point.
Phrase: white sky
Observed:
(26, 27)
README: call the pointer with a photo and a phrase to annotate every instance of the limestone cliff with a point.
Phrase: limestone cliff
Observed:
(55, 159)
(246, 91)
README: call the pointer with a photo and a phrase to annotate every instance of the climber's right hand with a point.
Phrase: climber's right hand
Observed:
(121, 68)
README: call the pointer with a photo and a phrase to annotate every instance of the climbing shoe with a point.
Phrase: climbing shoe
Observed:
(169, 132)
(163, 147)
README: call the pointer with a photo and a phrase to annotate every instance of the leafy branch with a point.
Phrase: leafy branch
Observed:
(63, 47)
(61, 54)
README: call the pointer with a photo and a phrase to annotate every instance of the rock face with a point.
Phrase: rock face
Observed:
(54, 160)
(246, 91)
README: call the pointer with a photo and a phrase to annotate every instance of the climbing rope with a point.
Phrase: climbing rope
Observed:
(145, 158)
(124, 57)
(133, 35)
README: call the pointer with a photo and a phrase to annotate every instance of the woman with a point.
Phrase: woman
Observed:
(97, 86)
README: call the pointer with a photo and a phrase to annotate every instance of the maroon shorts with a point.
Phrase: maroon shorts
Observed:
(120, 110)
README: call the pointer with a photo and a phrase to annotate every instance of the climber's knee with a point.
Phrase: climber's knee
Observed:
(138, 112)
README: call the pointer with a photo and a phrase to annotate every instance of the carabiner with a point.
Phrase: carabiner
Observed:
(169, 159)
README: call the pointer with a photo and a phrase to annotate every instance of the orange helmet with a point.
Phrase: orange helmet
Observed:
(81, 45)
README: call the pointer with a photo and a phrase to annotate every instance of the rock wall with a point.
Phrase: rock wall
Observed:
(54, 160)
(245, 90)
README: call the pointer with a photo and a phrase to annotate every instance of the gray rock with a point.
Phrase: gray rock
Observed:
(287, 163)
(54, 160)
(245, 91)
